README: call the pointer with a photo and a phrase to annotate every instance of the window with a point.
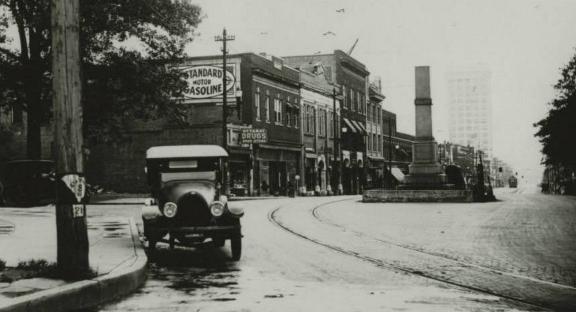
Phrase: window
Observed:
(348, 95)
(330, 122)
(328, 72)
(278, 110)
(297, 119)
(322, 122)
(267, 106)
(310, 120)
(257, 103)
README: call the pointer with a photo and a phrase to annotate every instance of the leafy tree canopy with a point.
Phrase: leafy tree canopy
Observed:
(122, 43)
(556, 130)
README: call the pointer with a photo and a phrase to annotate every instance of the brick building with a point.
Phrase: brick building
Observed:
(263, 93)
(319, 103)
(374, 142)
(397, 150)
(352, 77)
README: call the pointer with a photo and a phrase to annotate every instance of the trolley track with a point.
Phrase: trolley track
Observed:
(391, 265)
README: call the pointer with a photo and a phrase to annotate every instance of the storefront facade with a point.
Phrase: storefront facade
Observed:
(351, 77)
(319, 154)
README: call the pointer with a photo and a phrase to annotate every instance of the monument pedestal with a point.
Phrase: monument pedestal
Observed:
(425, 172)
(426, 181)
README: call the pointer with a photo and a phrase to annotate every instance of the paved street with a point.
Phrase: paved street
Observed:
(335, 253)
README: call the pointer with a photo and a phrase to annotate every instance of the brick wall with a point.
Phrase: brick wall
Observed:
(121, 167)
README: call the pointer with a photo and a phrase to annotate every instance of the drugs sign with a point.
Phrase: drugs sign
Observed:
(254, 136)
(205, 81)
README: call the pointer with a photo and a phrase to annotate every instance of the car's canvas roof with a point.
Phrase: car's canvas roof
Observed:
(185, 151)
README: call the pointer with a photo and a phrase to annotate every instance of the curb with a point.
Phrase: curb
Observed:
(88, 293)
(244, 198)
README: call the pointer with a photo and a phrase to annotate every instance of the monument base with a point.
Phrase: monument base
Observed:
(425, 176)
(395, 196)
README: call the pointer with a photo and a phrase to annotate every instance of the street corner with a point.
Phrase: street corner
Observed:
(127, 275)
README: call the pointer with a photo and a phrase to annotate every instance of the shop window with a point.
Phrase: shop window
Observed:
(233, 137)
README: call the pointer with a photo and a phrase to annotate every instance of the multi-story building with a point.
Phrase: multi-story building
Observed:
(470, 109)
(374, 140)
(263, 95)
(397, 150)
(352, 77)
(320, 111)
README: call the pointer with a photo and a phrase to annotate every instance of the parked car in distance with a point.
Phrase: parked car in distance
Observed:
(188, 203)
(27, 183)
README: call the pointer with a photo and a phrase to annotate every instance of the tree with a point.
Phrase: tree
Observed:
(556, 130)
(158, 29)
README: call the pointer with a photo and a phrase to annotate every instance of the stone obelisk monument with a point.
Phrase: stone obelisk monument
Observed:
(425, 172)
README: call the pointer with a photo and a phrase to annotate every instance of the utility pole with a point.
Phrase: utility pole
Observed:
(390, 150)
(224, 38)
(337, 164)
(72, 235)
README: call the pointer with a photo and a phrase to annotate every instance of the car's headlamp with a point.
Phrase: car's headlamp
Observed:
(217, 209)
(170, 209)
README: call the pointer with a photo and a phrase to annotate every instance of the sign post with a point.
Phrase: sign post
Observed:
(72, 234)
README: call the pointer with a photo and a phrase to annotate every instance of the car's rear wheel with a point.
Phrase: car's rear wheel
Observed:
(151, 245)
(236, 246)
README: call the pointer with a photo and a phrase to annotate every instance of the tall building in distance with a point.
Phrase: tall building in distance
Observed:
(470, 109)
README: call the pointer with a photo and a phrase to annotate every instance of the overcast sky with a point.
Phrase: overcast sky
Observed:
(522, 42)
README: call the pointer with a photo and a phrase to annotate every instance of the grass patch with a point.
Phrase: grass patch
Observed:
(38, 268)
(41, 268)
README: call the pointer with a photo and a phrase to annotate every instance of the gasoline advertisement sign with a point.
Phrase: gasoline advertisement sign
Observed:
(205, 81)
(253, 136)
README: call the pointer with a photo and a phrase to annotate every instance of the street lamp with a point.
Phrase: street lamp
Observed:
(337, 142)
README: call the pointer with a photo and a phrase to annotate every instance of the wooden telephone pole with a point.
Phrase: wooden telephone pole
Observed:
(72, 233)
(224, 38)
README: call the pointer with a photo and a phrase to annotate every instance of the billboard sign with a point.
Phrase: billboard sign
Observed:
(205, 81)
(254, 136)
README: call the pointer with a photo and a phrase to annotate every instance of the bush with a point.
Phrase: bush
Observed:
(40, 268)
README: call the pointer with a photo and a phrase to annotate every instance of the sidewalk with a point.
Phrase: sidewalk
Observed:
(115, 255)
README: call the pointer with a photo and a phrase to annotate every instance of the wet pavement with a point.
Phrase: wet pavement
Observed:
(300, 269)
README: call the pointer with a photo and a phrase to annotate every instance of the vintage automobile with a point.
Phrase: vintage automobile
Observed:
(189, 204)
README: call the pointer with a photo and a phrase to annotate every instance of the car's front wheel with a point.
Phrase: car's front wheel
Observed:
(236, 246)
(151, 245)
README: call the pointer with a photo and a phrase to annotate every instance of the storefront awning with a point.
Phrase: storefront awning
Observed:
(398, 174)
(349, 125)
(362, 126)
(359, 126)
